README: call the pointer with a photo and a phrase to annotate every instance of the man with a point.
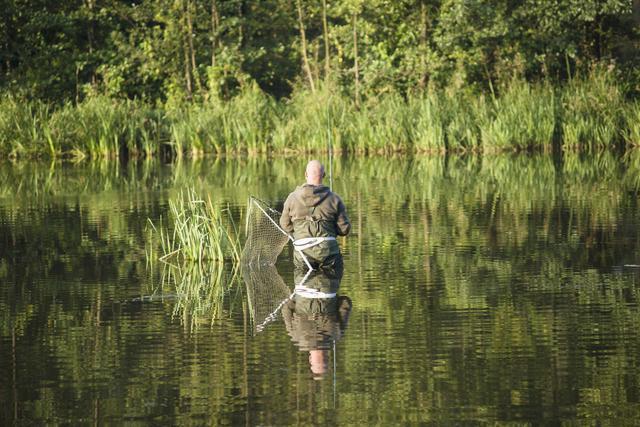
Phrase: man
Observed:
(315, 216)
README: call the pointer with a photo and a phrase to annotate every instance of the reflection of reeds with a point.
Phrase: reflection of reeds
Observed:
(204, 292)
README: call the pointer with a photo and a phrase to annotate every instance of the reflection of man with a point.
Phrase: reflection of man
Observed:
(315, 216)
(316, 316)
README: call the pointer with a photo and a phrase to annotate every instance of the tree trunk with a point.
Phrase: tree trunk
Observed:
(187, 71)
(215, 24)
(303, 45)
(325, 29)
(356, 70)
(424, 24)
(192, 51)
(241, 24)
(91, 36)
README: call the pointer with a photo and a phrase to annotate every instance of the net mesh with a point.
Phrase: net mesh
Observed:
(266, 292)
(265, 238)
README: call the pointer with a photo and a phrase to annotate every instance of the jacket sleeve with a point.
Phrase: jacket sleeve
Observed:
(285, 218)
(344, 225)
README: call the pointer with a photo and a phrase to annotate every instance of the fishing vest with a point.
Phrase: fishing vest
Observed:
(315, 236)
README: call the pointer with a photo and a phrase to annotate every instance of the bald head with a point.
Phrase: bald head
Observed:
(314, 172)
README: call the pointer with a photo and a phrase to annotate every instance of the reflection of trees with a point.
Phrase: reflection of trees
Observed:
(482, 283)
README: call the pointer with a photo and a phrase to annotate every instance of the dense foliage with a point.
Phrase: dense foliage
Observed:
(177, 50)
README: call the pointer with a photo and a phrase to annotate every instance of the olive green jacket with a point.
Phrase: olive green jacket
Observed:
(315, 211)
(318, 205)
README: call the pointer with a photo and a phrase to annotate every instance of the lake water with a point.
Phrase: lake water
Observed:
(484, 290)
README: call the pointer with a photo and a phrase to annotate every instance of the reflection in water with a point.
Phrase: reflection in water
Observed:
(202, 291)
(316, 316)
(489, 290)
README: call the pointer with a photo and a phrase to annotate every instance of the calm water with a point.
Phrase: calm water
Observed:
(484, 290)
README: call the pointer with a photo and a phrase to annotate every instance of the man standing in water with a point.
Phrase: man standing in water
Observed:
(315, 216)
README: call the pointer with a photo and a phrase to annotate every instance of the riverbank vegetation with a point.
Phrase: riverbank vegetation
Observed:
(587, 113)
(186, 77)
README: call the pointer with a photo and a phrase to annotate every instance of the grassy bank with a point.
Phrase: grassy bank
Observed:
(586, 113)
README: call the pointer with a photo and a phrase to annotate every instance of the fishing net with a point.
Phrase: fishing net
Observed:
(266, 292)
(265, 238)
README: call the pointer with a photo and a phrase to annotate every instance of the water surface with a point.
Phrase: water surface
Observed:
(485, 289)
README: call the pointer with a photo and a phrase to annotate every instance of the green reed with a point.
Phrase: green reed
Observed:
(312, 122)
(631, 128)
(200, 250)
(592, 111)
(242, 124)
(588, 112)
(198, 231)
(22, 127)
(523, 117)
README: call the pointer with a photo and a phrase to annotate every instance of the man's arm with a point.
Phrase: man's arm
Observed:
(285, 218)
(343, 223)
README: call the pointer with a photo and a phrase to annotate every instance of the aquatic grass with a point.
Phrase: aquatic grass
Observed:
(200, 250)
(631, 128)
(524, 116)
(242, 124)
(588, 112)
(21, 127)
(200, 231)
(380, 126)
(592, 111)
(428, 121)
(465, 115)
(313, 121)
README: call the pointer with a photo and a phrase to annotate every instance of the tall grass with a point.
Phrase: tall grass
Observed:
(22, 127)
(313, 121)
(242, 124)
(631, 128)
(523, 117)
(590, 112)
(98, 127)
(198, 231)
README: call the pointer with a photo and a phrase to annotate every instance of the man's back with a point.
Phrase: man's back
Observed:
(314, 211)
(314, 215)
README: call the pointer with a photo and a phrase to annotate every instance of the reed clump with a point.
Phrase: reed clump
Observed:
(242, 124)
(98, 127)
(22, 127)
(198, 231)
(592, 111)
(200, 250)
(313, 121)
(523, 117)
(631, 128)
(589, 112)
